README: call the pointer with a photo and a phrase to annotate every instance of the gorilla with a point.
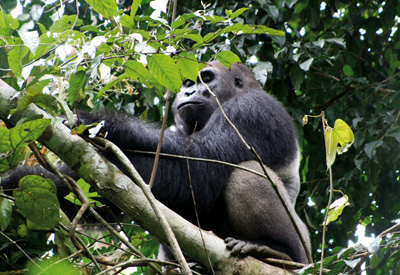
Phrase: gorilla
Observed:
(238, 206)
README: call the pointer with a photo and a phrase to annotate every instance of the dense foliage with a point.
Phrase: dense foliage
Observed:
(339, 57)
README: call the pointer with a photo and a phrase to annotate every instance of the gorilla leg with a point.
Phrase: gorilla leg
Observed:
(258, 218)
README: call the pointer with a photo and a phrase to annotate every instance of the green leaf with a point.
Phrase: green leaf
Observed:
(138, 71)
(227, 58)
(347, 70)
(228, 12)
(239, 28)
(134, 7)
(4, 140)
(336, 208)
(192, 36)
(46, 43)
(7, 21)
(65, 23)
(165, 71)
(15, 56)
(296, 77)
(37, 87)
(38, 72)
(47, 102)
(370, 148)
(92, 196)
(338, 140)
(127, 21)
(37, 200)
(238, 13)
(5, 213)
(51, 266)
(181, 20)
(272, 11)
(188, 66)
(301, 5)
(107, 8)
(76, 84)
(5, 148)
(18, 137)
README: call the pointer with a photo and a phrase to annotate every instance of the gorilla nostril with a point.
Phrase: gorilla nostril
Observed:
(189, 93)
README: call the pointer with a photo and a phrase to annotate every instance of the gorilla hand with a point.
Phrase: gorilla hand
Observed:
(245, 248)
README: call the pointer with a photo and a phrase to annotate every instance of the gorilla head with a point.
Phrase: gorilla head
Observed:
(194, 104)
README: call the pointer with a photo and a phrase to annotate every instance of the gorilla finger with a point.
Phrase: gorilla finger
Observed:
(231, 242)
(236, 250)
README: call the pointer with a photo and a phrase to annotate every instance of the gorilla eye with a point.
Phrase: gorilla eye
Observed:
(207, 76)
(188, 83)
(238, 82)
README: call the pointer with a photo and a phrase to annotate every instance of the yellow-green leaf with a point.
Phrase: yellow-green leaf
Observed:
(227, 58)
(188, 65)
(338, 140)
(336, 208)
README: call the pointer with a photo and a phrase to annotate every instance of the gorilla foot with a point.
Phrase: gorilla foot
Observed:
(246, 248)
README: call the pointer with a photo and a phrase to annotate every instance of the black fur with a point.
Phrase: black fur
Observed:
(203, 131)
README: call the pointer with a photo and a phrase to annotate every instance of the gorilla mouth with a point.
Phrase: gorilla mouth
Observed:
(189, 103)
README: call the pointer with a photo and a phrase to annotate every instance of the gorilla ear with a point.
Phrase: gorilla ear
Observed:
(238, 82)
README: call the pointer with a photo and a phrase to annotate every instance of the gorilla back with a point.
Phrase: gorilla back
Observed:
(203, 132)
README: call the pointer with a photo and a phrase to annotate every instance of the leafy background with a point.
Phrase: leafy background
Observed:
(340, 57)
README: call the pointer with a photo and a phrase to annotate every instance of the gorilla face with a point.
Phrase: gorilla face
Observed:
(194, 104)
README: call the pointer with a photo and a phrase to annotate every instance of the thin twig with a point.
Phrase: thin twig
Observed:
(164, 122)
(163, 127)
(330, 197)
(195, 210)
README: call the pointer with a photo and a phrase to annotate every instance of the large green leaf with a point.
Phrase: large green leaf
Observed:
(106, 7)
(7, 21)
(136, 70)
(188, 66)
(165, 71)
(76, 84)
(18, 137)
(227, 58)
(36, 198)
(15, 56)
